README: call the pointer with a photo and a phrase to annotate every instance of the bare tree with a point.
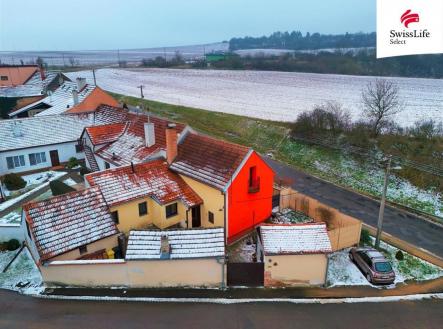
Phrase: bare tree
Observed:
(380, 102)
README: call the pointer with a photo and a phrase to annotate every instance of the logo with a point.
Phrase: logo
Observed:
(408, 18)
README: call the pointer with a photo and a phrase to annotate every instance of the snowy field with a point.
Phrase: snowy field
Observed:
(277, 96)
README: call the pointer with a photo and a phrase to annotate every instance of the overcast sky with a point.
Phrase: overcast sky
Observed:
(113, 24)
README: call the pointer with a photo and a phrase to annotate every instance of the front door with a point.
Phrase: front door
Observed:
(54, 158)
(196, 218)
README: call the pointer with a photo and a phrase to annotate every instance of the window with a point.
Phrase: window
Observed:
(107, 165)
(114, 215)
(83, 250)
(4, 78)
(254, 181)
(78, 148)
(143, 208)
(15, 161)
(211, 217)
(37, 158)
(171, 210)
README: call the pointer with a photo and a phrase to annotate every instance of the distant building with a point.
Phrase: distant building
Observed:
(70, 98)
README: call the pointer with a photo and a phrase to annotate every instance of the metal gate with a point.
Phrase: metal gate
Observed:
(246, 274)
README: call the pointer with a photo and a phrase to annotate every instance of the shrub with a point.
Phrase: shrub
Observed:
(13, 244)
(59, 188)
(365, 238)
(72, 162)
(84, 171)
(13, 182)
(399, 255)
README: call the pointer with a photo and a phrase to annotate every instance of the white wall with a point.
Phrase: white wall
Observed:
(65, 151)
(11, 231)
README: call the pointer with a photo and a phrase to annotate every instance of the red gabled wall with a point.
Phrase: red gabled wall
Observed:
(245, 209)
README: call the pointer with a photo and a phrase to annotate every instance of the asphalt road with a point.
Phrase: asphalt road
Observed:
(400, 224)
(17, 311)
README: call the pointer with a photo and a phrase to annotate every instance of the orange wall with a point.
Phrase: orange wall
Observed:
(245, 210)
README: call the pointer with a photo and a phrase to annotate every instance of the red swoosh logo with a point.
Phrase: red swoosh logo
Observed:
(408, 18)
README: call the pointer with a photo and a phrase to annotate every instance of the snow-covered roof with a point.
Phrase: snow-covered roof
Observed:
(64, 223)
(39, 131)
(59, 101)
(295, 239)
(35, 86)
(130, 146)
(151, 179)
(184, 243)
(104, 134)
(209, 160)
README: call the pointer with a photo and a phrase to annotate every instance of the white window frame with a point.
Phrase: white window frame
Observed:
(17, 161)
(39, 157)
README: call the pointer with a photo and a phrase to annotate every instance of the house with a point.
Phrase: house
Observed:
(294, 255)
(236, 185)
(36, 87)
(71, 226)
(15, 75)
(146, 194)
(70, 98)
(37, 143)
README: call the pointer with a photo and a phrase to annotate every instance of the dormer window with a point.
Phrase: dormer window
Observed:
(254, 180)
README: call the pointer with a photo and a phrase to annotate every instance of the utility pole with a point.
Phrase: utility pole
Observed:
(382, 203)
(141, 92)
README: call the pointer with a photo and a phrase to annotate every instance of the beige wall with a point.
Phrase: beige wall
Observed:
(295, 270)
(106, 243)
(213, 201)
(129, 218)
(343, 230)
(144, 273)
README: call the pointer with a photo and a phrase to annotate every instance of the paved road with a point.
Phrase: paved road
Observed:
(405, 226)
(18, 311)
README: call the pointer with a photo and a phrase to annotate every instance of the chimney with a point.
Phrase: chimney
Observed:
(16, 130)
(42, 73)
(171, 143)
(149, 134)
(75, 96)
(165, 248)
(81, 83)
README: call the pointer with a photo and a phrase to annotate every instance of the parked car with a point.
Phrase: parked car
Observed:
(376, 268)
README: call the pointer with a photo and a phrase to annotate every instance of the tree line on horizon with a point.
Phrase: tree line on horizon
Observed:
(295, 40)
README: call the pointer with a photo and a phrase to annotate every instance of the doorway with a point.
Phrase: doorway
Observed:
(55, 161)
(196, 217)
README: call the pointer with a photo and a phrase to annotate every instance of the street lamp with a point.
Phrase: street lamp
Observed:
(383, 200)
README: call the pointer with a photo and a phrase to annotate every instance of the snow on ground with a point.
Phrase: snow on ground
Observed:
(269, 95)
(242, 251)
(289, 216)
(343, 272)
(23, 275)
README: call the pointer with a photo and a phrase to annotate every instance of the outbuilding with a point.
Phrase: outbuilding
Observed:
(294, 255)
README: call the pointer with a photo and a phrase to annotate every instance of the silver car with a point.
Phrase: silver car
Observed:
(376, 268)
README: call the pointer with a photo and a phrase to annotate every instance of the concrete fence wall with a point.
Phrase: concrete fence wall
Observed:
(343, 230)
(11, 231)
(204, 272)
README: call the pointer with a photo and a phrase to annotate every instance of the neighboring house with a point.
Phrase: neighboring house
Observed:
(146, 194)
(71, 226)
(15, 75)
(70, 98)
(294, 254)
(41, 83)
(37, 143)
(235, 183)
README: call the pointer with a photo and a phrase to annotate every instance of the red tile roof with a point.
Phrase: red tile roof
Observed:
(97, 97)
(208, 160)
(151, 179)
(105, 133)
(130, 146)
(17, 75)
(64, 223)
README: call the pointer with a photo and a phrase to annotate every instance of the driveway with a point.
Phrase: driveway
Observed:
(19, 311)
(398, 223)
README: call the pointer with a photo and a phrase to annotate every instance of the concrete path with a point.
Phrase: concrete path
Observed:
(401, 224)
(19, 311)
